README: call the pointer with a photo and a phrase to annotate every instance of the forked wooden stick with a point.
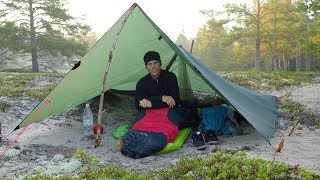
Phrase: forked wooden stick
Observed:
(114, 45)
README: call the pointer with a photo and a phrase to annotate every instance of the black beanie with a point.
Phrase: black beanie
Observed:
(151, 55)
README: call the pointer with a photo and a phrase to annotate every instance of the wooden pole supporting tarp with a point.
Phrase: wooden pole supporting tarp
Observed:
(114, 46)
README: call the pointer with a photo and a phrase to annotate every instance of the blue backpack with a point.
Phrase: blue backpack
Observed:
(213, 117)
(216, 119)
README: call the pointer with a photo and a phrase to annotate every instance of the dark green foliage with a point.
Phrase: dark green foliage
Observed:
(211, 45)
(66, 47)
(310, 6)
(10, 36)
(48, 28)
(266, 35)
(231, 165)
(227, 164)
(10, 41)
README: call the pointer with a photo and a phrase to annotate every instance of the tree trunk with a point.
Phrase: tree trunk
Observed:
(33, 40)
(310, 59)
(307, 62)
(274, 48)
(298, 62)
(311, 62)
(258, 60)
(280, 63)
(284, 62)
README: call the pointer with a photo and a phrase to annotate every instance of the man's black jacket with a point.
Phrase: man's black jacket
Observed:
(154, 89)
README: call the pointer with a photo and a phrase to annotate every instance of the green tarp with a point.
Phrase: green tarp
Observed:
(139, 35)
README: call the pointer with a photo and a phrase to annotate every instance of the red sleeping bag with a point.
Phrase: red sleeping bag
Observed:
(154, 130)
(156, 120)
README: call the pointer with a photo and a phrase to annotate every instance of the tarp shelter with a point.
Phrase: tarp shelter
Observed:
(140, 34)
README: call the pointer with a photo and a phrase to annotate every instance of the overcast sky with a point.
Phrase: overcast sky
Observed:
(172, 16)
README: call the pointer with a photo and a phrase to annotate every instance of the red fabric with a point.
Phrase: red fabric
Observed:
(156, 120)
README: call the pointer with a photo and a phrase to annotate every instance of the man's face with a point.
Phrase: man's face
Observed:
(154, 68)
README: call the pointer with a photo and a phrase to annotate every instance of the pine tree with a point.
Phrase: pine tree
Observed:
(49, 27)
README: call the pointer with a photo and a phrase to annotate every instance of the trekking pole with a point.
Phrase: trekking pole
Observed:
(114, 45)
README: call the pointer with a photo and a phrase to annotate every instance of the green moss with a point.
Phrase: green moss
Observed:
(14, 80)
(86, 160)
(219, 165)
(14, 84)
(291, 106)
(41, 92)
(268, 81)
(4, 106)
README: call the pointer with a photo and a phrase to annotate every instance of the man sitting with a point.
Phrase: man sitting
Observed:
(160, 112)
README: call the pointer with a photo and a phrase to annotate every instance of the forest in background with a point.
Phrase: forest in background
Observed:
(272, 35)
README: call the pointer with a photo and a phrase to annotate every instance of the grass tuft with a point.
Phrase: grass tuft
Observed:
(4, 106)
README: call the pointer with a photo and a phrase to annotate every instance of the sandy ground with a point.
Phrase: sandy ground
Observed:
(47, 147)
